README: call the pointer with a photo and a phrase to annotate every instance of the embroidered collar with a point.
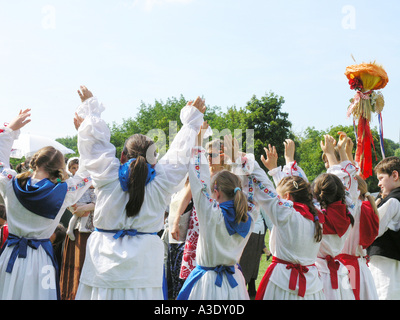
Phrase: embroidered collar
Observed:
(43, 198)
(228, 210)
(124, 171)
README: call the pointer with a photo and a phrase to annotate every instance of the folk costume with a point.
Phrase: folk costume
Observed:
(292, 275)
(28, 268)
(220, 244)
(124, 256)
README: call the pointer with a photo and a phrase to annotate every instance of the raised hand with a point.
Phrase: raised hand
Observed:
(77, 121)
(84, 93)
(328, 147)
(21, 120)
(289, 150)
(272, 158)
(199, 104)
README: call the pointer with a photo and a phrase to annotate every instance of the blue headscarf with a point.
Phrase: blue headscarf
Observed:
(124, 171)
(43, 198)
(228, 210)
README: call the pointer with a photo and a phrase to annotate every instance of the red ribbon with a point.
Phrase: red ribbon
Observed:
(333, 266)
(297, 272)
(351, 263)
(364, 150)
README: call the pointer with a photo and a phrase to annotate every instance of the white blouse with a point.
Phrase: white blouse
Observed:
(129, 262)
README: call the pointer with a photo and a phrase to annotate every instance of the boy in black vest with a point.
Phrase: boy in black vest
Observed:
(385, 251)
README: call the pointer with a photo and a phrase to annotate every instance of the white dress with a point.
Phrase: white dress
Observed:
(333, 244)
(386, 271)
(33, 277)
(130, 267)
(352, 247)
(215, 246)
(291, 240)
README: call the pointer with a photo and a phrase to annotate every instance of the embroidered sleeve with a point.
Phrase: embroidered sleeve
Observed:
(293, 169)
(346, 171)
(199, 177)
(7, 138)
(277, 209)
(77, 186)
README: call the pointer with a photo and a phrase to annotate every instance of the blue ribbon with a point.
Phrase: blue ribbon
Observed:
(124, 170)
(199, 271)
(20, 251)
(123, 233)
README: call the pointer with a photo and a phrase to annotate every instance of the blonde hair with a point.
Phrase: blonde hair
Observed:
(363, 187)
(49, 159)
(227, 183)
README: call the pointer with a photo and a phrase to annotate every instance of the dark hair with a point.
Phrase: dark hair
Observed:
(72, 162)
(3, 213)
(49, 159)
(226, 182)
(137, 146)
(328, 188)
(388, 165)
(300, 190)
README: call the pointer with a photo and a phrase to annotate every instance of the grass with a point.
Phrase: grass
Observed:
(263, 263)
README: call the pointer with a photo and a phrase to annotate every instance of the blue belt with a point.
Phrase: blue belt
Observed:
(20, 251)
(123, 233)
(199, 271)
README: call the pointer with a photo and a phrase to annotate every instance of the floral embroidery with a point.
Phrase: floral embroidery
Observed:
(79, 185)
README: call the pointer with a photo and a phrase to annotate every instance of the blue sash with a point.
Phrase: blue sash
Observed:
(199, 271)
(132, 233)
(20, 251)
(123, 233)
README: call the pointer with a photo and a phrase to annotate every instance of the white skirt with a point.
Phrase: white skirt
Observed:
(274, 292)
(206, 289)
(32, 278)
(92, 293)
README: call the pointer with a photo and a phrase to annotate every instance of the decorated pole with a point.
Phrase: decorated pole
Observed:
(366, 78)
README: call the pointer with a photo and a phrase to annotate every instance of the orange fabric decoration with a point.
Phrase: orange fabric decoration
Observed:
(365, 78)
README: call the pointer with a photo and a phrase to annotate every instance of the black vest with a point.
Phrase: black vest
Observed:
(387, 245)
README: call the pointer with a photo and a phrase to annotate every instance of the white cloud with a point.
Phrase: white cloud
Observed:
(148, 5)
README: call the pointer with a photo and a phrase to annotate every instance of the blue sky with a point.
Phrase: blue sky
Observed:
(129, 51)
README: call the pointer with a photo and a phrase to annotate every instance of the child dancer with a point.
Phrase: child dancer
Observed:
(124, 256)
(330, 192)
(35, 201)
(295, 236)
(354, 253)
(225, 220)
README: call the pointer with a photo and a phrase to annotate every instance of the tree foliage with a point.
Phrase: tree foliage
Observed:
(259, 123)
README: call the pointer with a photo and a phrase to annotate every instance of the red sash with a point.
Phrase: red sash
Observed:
(351, 263)
(297, 272)
(333, 266)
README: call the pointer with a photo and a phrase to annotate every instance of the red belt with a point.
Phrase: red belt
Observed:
(297, 272)
(333, 266)
(351, 263)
